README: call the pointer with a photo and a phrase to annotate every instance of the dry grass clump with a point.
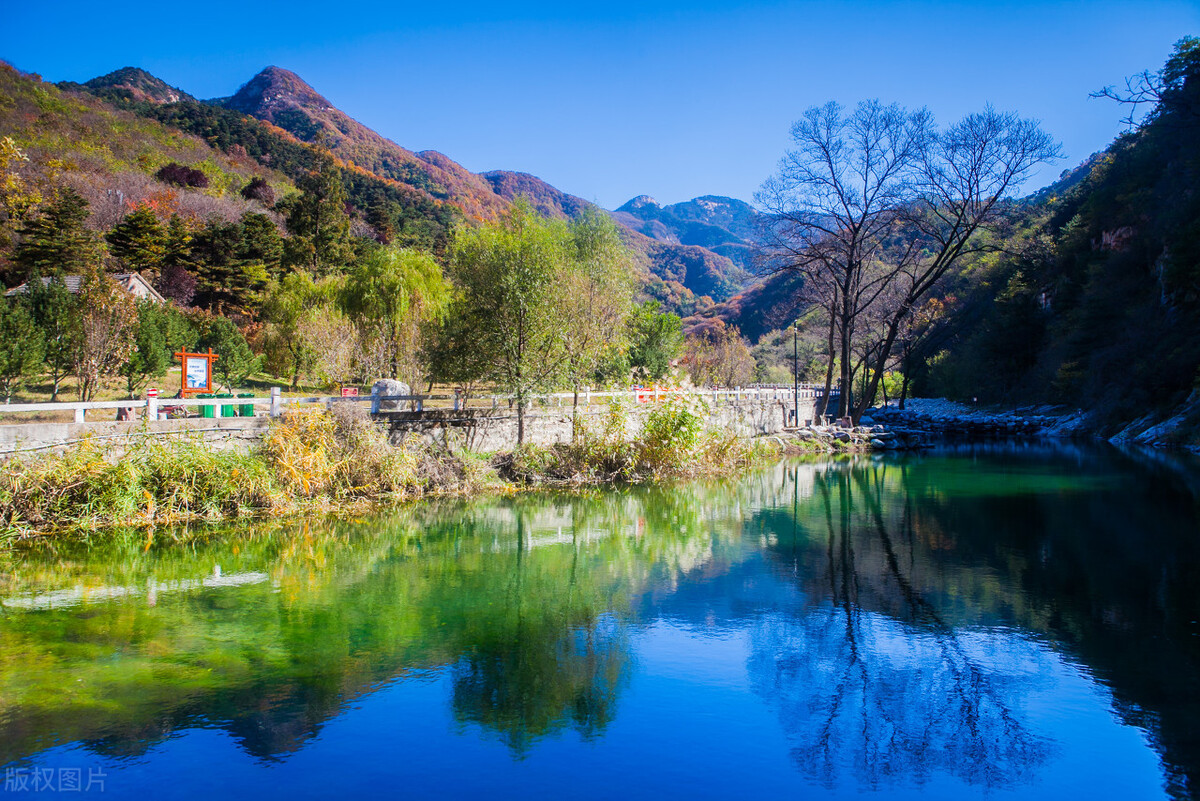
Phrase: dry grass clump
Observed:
(309, 460)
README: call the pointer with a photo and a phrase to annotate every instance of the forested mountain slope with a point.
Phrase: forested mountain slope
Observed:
(1096, 301)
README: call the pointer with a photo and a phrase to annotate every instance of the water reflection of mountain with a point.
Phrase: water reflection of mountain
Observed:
(898, 614)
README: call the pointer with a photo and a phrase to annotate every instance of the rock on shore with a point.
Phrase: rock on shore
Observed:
(941, 418)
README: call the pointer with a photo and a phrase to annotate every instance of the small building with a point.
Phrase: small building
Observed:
(133, 283)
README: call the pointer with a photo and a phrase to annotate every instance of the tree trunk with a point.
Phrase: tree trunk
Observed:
(847, 377)
(520, 419)
(821, 409)
(885, 352)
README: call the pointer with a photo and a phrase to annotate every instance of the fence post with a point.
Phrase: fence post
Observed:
(152, 405)
(456, 400)
(276, 402)
(79, 415)
(420, 403)
(374, 400)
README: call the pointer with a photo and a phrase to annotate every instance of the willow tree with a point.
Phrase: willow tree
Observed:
(507, 315)
(391, 295)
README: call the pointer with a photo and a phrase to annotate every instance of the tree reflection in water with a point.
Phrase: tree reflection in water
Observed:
(869, 680)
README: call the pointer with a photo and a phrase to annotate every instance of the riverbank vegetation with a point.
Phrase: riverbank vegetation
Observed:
(317, 460)
(673, 443)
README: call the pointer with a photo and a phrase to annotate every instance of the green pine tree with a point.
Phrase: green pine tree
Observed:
(139, 241)
(57, 242)
(318, 222)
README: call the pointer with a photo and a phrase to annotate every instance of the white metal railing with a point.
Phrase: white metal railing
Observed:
(458, 401)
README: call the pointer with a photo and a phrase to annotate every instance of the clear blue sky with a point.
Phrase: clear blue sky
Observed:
(609, 100)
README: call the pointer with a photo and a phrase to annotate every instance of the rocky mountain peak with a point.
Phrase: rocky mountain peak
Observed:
(640, 203)
(274, 90)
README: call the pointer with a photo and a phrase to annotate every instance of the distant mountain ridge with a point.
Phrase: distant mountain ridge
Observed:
(282, 98)
(724, 225)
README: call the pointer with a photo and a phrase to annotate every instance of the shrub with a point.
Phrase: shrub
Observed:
(181, 175)
(670, 436)
(259, 190)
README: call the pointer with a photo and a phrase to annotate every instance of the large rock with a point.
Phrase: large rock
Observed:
(390, 386)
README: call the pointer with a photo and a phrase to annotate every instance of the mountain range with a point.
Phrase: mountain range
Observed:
(693, 255)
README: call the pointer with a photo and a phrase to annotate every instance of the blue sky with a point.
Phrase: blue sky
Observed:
(609, 100)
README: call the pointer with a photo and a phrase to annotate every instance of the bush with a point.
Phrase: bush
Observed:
(154, 481)
(259, 190)
(341, 453)
(181, 175)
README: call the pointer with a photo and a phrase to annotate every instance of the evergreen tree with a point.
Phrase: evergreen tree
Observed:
(214, 250)
(176, 278)
(260, 242)
(20, 346)
(161, 332)
(318, 222)
(54, 311)
(236, 360)
(139, 241)
(57, 242)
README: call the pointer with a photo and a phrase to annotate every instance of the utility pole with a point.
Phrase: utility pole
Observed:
(796, 376)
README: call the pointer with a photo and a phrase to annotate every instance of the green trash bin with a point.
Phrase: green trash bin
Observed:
(246, 409)
(227, 409)
(207, 411)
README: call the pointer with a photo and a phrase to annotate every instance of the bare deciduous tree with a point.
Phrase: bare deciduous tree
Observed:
(875, 207)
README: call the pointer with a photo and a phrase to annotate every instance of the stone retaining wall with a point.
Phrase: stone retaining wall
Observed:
(220, 432)
(484, 430)
(489, 430)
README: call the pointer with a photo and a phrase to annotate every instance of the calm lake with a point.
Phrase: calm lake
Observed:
(978, 622)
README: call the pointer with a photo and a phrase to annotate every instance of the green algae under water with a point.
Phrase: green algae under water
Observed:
(985, 621)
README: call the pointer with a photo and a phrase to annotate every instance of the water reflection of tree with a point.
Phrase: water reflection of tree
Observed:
(868, 677)
(527, 601)
(547, 654)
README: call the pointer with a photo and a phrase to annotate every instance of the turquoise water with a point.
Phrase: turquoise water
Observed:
(982, 622)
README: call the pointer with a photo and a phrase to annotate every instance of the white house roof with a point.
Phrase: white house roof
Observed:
(133, 283)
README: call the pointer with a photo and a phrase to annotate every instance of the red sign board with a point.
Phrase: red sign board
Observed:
(349, 392)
